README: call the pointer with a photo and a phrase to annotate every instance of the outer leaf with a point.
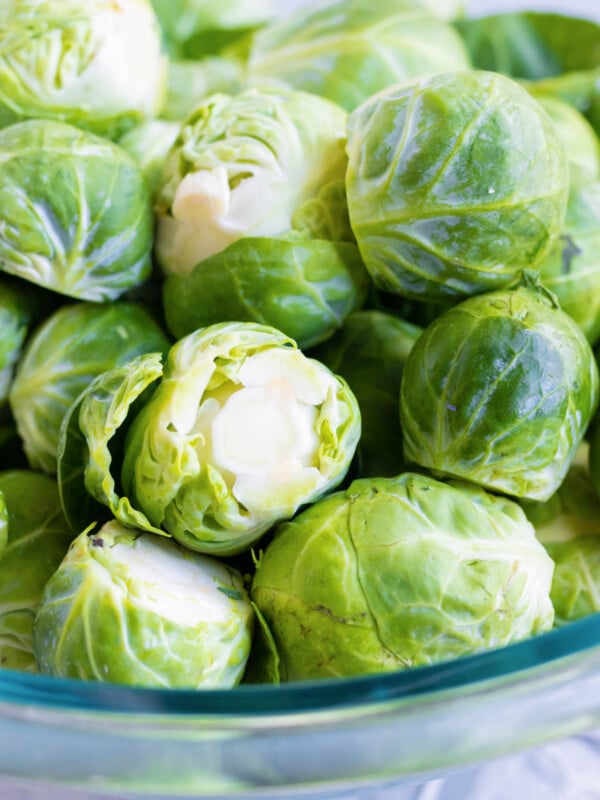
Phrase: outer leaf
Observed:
(305, 288)
(90, 434)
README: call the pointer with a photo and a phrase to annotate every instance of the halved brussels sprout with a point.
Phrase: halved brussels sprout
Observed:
(400, 572)
(241, 430)
(346, 50)
(305, 288)
(455, 184)
(38, 538)
(71, 347)
(75, 211)
(281, 146)
(132, 608)
(572, 268)
(370, 351)
(97, 65)
(499, 390)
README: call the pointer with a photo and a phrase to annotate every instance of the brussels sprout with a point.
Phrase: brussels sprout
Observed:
(479, 194)
(346, 50)
(241, 430)
(283, 147)
(71, 347)
(75, 211)
(148, 144)
(133, 608)
(577, 136)
(397, 573)
(38, 538)
(190, 82)
(530, 44)
(499, 390)
(15, 320)
(304, 288)
(97, 65)
(568, 526)
(195, 28)
(370, 352)
(572, 268)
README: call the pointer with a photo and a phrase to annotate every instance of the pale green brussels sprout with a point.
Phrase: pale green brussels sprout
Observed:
(37, 538)
(236, 432)
(148, 144)
(15, 322)
(455, 184)
(190, 82)
(576, 135)
(75, 214)
(96, 64)
(282, 146)
(370, 351)
(195, 28)
(571, 270)
(132, 608)
(346, 50)
(400, 572)
(568, 525)
(76, 343)
(499, 390)
(305, 288)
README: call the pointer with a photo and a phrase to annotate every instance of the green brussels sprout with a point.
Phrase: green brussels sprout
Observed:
(240, 430)
(97, 65)
(133, 608)
(38, 538)
(478, 195)
(499, 390)
(279, 145)
(148, 144)
(71, 347)
(397, 573)
(75, 213)
(568, 526)
(577, 136)
(15, 321)
(370, 351)
(194, 28)
(346, 50)
(571, 270)
(305, 288)
(530, 44)
(190, 82)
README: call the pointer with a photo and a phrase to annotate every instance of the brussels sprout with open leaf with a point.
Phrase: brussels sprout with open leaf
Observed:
(455, 184)
(96, 64)
(236, 432)
(75, 214)
(396, 573)
(282, 146)
(499, 390)
(133, 608)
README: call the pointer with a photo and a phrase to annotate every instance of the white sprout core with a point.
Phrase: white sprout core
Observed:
(209, 215)
(262, 433)
(175, 586)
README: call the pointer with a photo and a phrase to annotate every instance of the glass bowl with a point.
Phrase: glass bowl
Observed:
(390, 734)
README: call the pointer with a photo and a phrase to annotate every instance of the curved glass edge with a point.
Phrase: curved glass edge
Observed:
(511, 661)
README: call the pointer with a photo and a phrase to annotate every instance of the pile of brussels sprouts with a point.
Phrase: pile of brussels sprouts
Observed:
(297, 330)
